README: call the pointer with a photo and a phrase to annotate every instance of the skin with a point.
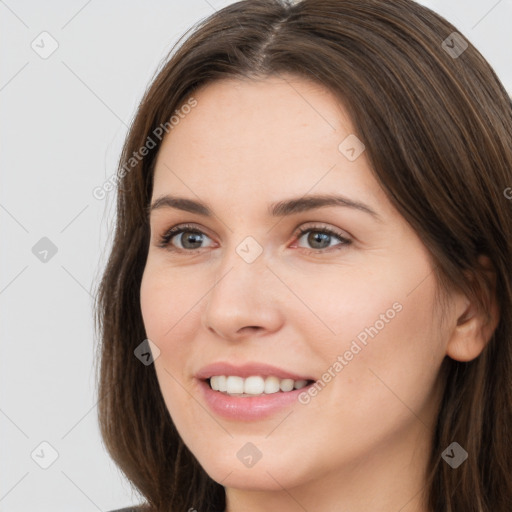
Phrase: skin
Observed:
(362, 443)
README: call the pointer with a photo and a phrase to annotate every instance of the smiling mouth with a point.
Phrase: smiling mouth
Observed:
(255, 385)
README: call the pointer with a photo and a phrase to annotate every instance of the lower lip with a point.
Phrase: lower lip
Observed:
(248, 408)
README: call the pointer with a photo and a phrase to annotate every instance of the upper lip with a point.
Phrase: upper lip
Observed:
(248, 370)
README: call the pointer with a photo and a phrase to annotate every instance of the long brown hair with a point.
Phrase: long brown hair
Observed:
(437, 126)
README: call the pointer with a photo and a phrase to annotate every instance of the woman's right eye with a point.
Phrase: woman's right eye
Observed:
(188, 243)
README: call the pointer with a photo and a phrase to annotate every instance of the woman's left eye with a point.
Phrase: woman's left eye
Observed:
(320, 237)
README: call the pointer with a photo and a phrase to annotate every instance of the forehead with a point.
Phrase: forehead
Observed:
(234, 111)
(267, 137)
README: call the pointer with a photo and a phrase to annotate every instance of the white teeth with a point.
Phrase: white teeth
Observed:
(219, 383)
(253, 385)
(300, 384)
(271, 385)
(235, 384)
(286, 384)
(222, 383)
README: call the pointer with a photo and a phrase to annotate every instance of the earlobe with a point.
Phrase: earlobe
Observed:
(475, 326)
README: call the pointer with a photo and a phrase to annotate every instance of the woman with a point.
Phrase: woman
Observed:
(308, 301)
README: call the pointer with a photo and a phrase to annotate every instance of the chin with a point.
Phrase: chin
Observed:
(270, 475)
(252, 479)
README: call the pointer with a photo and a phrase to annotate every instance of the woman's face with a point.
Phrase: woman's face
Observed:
(352, 309)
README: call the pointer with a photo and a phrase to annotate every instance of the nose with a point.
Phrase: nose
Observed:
(244, 300)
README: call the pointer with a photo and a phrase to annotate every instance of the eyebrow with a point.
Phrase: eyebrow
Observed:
(279, 209)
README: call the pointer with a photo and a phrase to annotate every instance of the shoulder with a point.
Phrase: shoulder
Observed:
(127, 509)
(144, 507)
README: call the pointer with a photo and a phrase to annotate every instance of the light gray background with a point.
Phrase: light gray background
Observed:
(63, 121)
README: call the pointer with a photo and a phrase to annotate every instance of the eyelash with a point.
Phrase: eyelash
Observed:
(166, 238)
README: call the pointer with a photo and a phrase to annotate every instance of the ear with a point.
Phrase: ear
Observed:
(474, 326)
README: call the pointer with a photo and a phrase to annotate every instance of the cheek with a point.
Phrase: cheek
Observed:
(381, 346)
(390, 362)
(345, 304)
(167, 311)
(171, 315)
(167, 303)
